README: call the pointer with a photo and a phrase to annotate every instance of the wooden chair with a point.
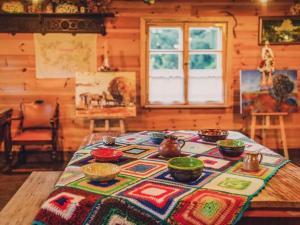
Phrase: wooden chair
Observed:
(38, 125)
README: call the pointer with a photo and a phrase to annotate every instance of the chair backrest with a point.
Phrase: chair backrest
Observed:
(38, 114)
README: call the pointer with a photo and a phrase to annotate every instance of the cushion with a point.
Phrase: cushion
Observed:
(37, 115)
(34, 135)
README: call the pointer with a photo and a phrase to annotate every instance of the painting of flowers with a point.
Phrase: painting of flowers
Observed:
(280, 97)
(279, 30)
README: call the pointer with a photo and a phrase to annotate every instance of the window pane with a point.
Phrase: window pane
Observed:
(165, 38)
(203, 61)
(203, 90)
(164, 61)
(205, 39)
(166, 90)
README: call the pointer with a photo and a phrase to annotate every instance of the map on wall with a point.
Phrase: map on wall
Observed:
(281, 97)
(61, 55)
(105, 94)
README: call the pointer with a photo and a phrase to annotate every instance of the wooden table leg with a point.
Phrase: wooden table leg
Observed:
(122, 126)
(253, 123)
(106, 125)
(266, 124)
(283, 137)
(92, 126)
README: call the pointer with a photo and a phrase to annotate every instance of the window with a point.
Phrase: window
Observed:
(184, 63)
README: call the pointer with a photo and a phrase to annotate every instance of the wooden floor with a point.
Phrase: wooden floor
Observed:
(37, 161)
(40, 161)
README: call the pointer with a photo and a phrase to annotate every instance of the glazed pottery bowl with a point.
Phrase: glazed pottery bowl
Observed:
(106, 155)
(101, 171)
(157, 137)
(212, 135)
(230, 147)
(185, 169)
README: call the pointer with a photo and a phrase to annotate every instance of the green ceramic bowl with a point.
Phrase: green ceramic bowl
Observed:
(185, 169)
(231, 147)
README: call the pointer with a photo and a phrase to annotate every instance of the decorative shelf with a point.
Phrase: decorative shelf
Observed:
(53, 23)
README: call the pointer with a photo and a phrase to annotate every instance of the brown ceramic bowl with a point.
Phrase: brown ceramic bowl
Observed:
(212, 135)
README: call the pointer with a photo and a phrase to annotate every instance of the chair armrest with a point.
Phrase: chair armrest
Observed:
(54, 122)
(16, 118)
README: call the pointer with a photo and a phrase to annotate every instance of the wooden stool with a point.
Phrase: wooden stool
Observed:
(106, 127)
(267, 125)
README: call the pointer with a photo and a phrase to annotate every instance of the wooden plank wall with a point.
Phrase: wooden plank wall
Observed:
(18, 82)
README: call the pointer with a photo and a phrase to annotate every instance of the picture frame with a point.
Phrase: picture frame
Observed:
(282, 96)
(279, 30)
(109, 95)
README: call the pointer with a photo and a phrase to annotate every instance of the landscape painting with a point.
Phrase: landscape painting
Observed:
(281, 97)
(279, 30)
(106, 95)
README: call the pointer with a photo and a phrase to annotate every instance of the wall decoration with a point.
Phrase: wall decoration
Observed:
(267, 66)
(106, 95)
(282, 97)
(279, 30)
(55, 6)
(150, 2)
(66, 8)
(295, 9)
(12, 7)
(61, 55)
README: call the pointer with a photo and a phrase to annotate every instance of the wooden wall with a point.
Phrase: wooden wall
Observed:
(18, 82)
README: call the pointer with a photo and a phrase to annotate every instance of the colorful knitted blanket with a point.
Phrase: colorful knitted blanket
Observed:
(145, 192)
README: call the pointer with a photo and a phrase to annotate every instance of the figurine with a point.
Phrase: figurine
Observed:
(266, 66)
(49, 8)
(105, 67)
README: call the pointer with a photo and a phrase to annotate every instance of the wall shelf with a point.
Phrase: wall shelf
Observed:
(53, 23)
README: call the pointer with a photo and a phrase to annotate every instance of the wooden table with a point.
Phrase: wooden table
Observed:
(25, 204)
(280, 198)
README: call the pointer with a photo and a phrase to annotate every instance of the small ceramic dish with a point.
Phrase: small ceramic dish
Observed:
(106, 155)
(212, 135)
(230, 147)
(185, 169)
(109, 140)
(156, 137)
(101, 171)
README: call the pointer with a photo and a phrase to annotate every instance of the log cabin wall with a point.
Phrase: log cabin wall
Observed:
(18, 81)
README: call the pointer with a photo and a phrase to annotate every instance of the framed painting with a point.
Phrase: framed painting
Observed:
(279, 30)
(105, 95)
(281, 97)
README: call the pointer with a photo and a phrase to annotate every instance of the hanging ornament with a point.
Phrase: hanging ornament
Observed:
(150, 2)
(295, 8)
(266, 67)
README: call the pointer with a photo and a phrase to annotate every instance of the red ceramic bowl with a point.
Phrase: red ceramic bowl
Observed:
(106, 154)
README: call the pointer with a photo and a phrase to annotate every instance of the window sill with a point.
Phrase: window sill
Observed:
(178, 106)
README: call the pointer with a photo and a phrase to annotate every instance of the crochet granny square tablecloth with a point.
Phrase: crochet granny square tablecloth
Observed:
(145, 193)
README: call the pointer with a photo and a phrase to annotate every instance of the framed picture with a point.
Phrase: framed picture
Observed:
(279, 30)
(281, 97)
(62, 55)
(105, 95)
